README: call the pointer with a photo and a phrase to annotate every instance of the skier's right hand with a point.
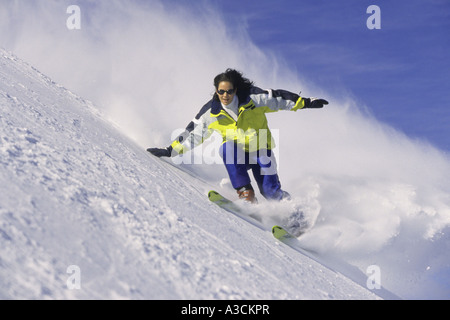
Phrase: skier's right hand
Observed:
(161, 152)
(315, 103)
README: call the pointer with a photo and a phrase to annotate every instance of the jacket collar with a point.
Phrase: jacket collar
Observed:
(216, 107)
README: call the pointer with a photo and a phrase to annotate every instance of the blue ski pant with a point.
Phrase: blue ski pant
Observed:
(263, 165)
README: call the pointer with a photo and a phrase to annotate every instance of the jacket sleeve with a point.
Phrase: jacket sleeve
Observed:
(275, 100)
(195, 133)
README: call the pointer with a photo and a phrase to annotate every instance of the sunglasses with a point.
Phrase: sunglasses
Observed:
(222, 92)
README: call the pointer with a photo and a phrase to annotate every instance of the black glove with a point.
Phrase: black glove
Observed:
(315, 103)
(161, 152)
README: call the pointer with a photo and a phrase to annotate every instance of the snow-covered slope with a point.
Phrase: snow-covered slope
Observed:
(82, 205)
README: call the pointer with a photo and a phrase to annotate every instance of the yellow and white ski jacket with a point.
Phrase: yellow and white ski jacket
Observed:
(250, 131)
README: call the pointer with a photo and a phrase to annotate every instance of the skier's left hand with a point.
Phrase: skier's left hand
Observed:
(161, 152)
(315, 103)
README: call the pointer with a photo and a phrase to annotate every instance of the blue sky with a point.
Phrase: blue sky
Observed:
(401, 72)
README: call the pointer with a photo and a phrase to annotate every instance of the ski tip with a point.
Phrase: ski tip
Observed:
(277, 230)
(214, 196)
(280, 233)
(212, 193)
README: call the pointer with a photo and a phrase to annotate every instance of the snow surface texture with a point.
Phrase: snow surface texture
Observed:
(78, 198)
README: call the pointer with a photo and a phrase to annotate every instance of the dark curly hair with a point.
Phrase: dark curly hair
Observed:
(240, 83)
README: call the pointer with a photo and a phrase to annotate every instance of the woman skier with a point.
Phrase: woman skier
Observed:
(237, 111)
